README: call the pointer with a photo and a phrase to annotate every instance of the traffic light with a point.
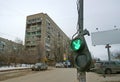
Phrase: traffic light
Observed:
(82, 57)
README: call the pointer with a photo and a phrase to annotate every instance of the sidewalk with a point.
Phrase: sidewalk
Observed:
(93, 77)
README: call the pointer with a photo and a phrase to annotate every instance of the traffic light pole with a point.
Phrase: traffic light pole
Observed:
(81, 76)
(82, 57)
(80, 14)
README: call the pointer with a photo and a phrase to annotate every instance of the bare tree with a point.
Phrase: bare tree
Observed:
(11, 52)
(39, 52)
(117, 55)
(27, 57)
(19, 41)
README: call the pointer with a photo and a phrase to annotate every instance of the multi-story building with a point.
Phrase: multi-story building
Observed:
(45, 38)
(8, 46)
(10, 52)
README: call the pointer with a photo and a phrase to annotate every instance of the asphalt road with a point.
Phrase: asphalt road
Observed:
(62, 75)
(52, 75)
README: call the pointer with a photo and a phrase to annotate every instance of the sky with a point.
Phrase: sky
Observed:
(101, 14)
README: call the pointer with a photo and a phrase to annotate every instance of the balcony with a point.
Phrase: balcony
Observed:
(34, 20)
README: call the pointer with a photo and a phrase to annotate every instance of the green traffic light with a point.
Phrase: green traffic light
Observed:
(76, 44)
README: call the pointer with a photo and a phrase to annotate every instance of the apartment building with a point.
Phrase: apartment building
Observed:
(45, 38)
(8, 46)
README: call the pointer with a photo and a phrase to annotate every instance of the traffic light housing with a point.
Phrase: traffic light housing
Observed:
(82, 57)
(77, 44)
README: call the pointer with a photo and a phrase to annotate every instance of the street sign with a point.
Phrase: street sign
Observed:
(106, 37)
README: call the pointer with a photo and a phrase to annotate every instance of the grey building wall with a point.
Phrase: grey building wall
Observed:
(42, 31)
(8, 46)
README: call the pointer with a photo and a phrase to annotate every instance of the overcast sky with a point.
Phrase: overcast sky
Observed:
(101, 14)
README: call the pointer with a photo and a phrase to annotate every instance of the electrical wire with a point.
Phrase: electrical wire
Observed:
(9, 35)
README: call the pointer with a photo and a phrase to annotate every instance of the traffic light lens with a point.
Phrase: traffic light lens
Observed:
(81, 61)
(76, 44)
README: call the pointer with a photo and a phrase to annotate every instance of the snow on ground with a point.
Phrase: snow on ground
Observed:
(23, 66)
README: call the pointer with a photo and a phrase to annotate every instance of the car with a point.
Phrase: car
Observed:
(59, 65)
(39, 66)
(107, 67)
(67, 64)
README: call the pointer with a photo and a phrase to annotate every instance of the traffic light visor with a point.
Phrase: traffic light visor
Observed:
(76, 44)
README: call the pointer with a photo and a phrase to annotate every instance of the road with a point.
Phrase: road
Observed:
(61, 75)
(52, 75)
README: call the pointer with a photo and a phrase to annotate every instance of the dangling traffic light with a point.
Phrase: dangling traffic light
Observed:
(82, 55)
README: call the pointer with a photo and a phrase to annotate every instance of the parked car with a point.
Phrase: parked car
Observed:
(107, 67)
(67, 64)
(59, 65)
(39, 66)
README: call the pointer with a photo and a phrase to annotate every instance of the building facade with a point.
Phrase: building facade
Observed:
(45, 38)
(8, 46)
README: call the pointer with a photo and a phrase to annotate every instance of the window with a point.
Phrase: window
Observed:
(28, 33)
(112, 63)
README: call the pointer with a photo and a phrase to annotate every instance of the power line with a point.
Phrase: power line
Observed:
(8, 35)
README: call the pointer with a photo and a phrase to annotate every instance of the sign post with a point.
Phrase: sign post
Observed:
(108, 49)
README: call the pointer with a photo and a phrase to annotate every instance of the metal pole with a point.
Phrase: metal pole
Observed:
(81, 76)
(80, 14)
(108, 50)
